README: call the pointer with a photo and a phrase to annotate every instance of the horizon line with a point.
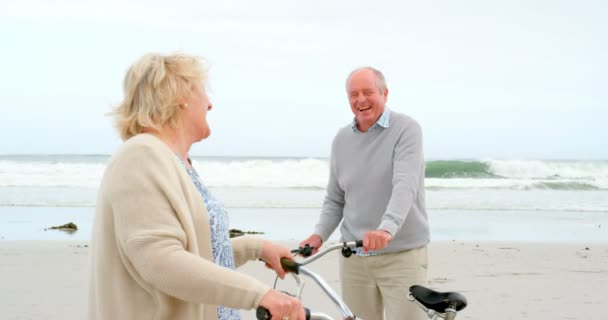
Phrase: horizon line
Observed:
(481, 159)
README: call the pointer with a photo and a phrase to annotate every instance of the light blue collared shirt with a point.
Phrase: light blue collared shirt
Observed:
(383, 121)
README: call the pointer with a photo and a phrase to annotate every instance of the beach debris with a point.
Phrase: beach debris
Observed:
(583, 254)
(237, 232)
(68, 227)
(439, 280)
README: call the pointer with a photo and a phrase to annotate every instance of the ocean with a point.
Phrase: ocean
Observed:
(478, 200)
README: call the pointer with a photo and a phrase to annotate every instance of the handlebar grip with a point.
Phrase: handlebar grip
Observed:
(359, 243)
(263, 314)
(290, 265)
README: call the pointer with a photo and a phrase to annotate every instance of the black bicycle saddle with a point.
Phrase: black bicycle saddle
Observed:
(438, 301)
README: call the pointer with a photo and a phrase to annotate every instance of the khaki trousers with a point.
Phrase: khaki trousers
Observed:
(376, 287)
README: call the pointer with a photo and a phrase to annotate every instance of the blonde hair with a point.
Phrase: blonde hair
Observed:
(380, 80)
(154, 87)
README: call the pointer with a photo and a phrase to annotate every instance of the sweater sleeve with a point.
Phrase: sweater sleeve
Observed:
(144, 197)
(333, 204)
(246, 248)
(164, 264)
(408, 165)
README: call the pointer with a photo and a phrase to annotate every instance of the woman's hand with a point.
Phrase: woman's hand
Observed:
(282, 306)
(272, 254)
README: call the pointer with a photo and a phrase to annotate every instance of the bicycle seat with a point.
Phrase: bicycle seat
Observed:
(438, 301)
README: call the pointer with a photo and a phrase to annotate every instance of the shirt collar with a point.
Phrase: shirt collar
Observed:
(383, 121)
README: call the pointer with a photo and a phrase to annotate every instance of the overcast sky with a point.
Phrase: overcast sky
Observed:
(485, 79)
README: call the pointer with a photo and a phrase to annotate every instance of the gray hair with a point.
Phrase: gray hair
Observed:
(380, 80)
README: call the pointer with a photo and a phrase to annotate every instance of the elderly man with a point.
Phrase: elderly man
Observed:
(376, 193)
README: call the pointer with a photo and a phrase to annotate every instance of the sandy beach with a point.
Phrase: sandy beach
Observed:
(48, 279)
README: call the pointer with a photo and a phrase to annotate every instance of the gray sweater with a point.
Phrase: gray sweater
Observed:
(377, 182)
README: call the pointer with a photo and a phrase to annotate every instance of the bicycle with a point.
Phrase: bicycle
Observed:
(435, 304)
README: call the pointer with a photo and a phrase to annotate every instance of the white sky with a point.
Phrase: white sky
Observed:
(486, 79)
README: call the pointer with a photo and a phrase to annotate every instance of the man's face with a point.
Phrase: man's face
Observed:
(366, 100)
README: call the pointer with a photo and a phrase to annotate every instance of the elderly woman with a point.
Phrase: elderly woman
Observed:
(160, 247)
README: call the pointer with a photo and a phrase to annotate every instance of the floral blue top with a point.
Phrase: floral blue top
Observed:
(220, 235)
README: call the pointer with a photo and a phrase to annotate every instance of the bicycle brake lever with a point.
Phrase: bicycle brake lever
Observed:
(305, 251)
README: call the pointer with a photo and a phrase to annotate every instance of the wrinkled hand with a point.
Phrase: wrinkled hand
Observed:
(376, 240)
(272, 254)
(281, 305)
(314, 241)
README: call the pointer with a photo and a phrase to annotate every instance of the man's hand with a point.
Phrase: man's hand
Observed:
(272, 254)
(314, 241)
(376, 240)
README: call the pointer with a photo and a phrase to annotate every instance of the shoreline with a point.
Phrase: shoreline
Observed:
(27, 224)
(501, 280)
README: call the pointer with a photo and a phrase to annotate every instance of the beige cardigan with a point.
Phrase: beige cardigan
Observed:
(151, 248)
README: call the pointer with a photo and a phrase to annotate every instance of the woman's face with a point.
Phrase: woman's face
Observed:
(195, 114)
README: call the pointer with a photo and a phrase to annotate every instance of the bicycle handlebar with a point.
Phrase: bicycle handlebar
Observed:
(345, 246)
(295, 268)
